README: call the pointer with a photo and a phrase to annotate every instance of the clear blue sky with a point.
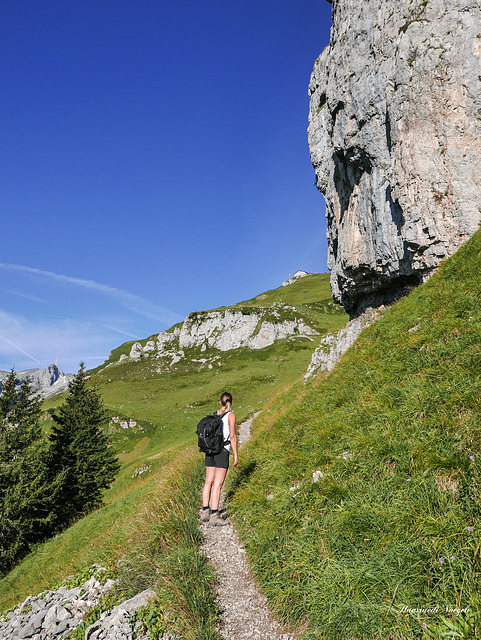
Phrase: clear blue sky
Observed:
(154, 161)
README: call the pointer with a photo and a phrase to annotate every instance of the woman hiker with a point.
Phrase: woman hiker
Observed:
(216, 466)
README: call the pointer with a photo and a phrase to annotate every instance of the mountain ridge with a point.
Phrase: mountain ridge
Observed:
(273, 315)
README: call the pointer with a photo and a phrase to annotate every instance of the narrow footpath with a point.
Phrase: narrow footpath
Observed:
(244, 611)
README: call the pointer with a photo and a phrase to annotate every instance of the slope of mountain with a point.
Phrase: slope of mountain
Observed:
(301, 309)
(155, 400)
(358, 498)
(359, 502)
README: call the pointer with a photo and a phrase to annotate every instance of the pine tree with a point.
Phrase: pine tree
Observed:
(81, 462)
(24, 502)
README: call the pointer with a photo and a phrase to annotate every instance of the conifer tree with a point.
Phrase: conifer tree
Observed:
(25, 515)
(81, 462)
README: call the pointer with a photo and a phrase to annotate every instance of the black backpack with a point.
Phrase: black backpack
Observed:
(210, 434)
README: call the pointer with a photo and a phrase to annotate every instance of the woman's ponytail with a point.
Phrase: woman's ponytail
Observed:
(226, 401)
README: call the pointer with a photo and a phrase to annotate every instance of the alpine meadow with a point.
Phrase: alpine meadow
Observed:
(357, 497)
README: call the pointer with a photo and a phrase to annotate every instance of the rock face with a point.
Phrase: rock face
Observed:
(212, 332)
(231, 329)
(395, 140)
(47, 382)
(334, 346)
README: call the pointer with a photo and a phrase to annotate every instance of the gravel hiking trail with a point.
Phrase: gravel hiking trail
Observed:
(243, 608)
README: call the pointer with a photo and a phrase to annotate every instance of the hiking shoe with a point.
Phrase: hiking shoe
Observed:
(217, 521)
(205, 515)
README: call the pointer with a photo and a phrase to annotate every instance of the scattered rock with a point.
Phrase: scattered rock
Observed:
(115, 625)
(53, 615)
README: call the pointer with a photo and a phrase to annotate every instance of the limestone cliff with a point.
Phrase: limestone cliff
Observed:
(395, 140)
(211, 332)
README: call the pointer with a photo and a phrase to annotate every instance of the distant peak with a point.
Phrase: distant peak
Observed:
(48, 381)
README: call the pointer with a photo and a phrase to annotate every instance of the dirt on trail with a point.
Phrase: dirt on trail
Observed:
(244, 611)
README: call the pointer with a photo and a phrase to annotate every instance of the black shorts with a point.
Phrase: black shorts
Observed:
(220, 461)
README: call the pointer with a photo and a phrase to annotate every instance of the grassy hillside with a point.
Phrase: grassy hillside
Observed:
(313, 289)
(161, 446)
(311, 295)
(359, 499)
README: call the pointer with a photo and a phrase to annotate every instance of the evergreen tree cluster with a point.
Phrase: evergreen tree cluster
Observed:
(47, 482)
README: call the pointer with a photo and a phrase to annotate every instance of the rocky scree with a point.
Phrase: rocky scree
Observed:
(55, 614)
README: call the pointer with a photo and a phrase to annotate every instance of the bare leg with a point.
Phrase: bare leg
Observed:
(209, 481)
(219, 477)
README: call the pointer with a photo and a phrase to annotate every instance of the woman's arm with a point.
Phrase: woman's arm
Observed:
(233, 437)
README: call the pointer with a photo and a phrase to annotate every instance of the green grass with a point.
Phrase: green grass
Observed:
(391, 526)
(393, 521)
(395, 431)
(149, 539)
(169, 560)
(313, 288)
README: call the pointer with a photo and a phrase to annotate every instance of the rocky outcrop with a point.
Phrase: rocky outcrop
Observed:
(222, 330)
(231, 329)
(334, 346)
(395, 140)
(47, 382)
(55, 614)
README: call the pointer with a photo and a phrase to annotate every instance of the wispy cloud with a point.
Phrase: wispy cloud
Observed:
(28, 296)
(69, 341)
(15, 346)
(125, 298)
(121, 331)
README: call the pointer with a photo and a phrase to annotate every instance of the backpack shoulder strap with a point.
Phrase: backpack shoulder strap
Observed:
(222, 416)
